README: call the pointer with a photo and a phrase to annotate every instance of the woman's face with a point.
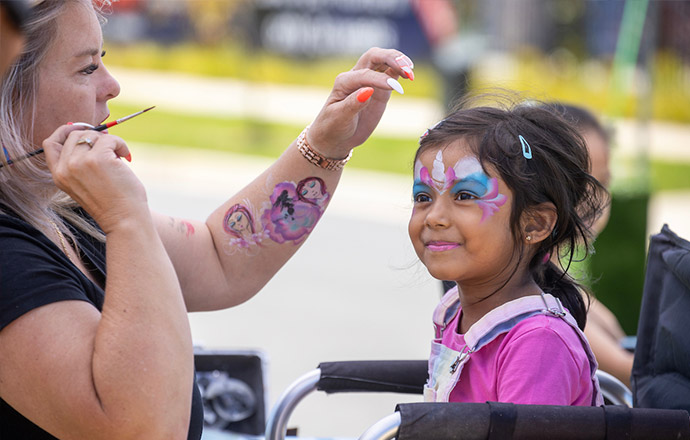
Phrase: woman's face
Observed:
(73, 84)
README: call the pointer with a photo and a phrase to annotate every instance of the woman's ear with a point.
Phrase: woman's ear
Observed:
(538, 222)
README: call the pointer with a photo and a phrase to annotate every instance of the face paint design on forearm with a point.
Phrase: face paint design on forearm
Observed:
(239, 224)
(466, 175)
(294, 209)
(182, 226)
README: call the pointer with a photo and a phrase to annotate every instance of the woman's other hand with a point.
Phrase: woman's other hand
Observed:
(352, 111)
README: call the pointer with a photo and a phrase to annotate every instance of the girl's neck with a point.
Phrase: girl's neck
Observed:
(478, 301)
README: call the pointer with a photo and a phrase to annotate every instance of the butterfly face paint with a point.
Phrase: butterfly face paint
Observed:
(466, 176)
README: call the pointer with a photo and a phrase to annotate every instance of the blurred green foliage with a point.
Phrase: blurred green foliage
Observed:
(618, 266)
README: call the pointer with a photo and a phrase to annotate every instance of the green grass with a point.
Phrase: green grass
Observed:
(233, 62)
(260, 138)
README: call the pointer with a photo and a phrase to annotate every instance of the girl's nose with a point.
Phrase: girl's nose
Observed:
(437, 216)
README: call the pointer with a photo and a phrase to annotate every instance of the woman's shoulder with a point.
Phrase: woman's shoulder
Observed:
(15, 228)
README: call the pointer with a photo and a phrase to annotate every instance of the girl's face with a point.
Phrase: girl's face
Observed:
(312, 190)
(460, 224)
(238, 222)
(73, 84)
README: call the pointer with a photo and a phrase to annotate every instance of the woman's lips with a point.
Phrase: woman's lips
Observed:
(439, 246)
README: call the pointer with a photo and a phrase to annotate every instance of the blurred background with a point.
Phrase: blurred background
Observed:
(235, 81)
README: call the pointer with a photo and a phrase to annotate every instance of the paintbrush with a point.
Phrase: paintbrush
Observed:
(121, 120)
(100, 127)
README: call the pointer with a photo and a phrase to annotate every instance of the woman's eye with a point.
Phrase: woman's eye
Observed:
(90, 69)
(421, 197)
(103, 53)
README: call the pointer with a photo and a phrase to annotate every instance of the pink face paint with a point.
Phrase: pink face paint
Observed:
(189, 228)
(467, 176)
(290, 217)
(492, 200)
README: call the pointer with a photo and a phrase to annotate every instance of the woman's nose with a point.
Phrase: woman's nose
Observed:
(110, 88)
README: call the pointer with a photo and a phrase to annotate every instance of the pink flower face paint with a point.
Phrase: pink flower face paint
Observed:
(292, 213)
(466, 176)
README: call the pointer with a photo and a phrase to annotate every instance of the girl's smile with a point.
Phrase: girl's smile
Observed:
(440, 246)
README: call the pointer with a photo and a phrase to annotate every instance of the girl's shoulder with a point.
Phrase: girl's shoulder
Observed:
(547, 332)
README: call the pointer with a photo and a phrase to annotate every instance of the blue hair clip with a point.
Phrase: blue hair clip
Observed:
(526, 149)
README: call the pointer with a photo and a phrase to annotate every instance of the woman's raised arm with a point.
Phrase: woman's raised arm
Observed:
(248, 239)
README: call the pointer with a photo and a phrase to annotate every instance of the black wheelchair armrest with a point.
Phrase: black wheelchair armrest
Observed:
(492, 420)
(406, 377)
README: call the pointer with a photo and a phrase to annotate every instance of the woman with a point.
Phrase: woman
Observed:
(85, 356)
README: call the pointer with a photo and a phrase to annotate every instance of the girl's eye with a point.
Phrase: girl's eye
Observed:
(421, 198)
(465, 196)
(312, 184)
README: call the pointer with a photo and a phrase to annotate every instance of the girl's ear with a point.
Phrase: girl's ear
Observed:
(538, 222)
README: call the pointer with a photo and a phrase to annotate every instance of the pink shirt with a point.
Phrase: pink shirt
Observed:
(539, 361)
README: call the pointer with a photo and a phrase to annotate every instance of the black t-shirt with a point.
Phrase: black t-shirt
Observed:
(33, 273)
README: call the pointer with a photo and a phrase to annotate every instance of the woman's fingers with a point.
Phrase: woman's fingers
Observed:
(53, 145)
(358, 100)
(391, 61)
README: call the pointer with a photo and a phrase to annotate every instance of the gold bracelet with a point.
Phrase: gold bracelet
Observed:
(315, 158)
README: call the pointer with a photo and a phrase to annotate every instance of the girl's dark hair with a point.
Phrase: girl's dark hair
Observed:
(558, 172)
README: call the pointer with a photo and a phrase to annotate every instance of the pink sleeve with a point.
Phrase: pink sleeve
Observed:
(538, 367)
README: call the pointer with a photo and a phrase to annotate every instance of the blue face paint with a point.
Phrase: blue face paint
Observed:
(475, 184)
(420, 187)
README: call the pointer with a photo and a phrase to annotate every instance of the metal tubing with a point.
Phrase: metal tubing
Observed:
(384, 429)
(282, 410)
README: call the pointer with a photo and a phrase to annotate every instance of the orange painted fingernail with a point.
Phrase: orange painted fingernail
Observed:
(364, 94)
(408, 73)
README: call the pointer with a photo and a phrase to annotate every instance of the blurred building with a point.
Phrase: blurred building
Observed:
(316, 28)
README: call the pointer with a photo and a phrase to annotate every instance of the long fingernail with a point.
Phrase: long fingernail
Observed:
(83, 124)
(364, 94)
(70, 123)
(395, 85)
(408, 72)
(404, 60)
(129, 157)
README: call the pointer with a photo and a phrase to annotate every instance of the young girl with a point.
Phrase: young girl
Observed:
(496, 193)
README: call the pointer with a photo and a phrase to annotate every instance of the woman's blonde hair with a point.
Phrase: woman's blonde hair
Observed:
(26, 186)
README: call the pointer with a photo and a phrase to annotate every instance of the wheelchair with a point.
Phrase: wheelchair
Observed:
(658, 409)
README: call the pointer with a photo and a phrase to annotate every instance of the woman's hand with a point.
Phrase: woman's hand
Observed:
(87, 165)
(348, 118)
